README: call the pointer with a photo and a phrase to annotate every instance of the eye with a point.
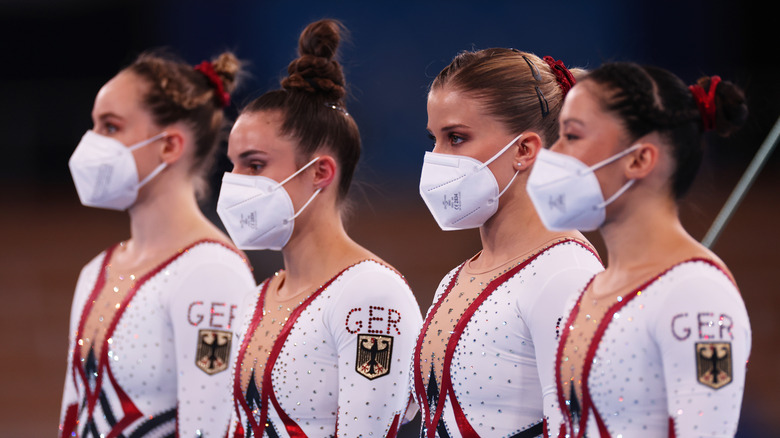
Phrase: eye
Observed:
(456, 139)
(432, 138)
(571, 137)
(106, 128)
(256, 166)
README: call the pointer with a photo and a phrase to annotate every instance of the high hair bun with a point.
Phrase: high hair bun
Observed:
(316, 71)
(227, 67)
(731, 109)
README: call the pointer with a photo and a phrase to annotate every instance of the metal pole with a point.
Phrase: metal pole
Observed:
(742, 186)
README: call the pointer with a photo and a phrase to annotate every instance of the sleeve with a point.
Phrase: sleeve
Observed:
(204, 310)
(704, 338)
(571, 272)
(374, 323)
(70, 395)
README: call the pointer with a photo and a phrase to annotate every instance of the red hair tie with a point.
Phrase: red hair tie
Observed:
(207, 68)
(562, 74)
(706, 102)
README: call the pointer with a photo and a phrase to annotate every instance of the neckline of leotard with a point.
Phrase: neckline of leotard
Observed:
(628, 290)
(273, 289)
(467, 269)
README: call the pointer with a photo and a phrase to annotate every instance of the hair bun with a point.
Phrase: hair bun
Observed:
(731, 109)
(316, 71)
(228, 68)
(321, 39)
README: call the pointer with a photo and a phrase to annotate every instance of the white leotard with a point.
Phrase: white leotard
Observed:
(498, 365)
(326, 379)
(669, 360)
(163, 369)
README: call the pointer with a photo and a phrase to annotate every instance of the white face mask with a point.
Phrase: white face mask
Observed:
(257, 211)
(566, 192)
(104, 171)
(460, 192)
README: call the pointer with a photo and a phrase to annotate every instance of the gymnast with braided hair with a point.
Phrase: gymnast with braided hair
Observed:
(657, 344)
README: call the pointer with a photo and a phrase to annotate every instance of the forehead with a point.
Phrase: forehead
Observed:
(582, 98)
(448, 103)
(120, 95)
(258, 130)
(448, 106)
(584, 104)
(584, 112)
(257, 125)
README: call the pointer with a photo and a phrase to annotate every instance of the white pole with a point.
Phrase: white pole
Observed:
(742, 186)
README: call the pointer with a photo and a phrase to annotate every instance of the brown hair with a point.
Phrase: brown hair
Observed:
(650, 99)
(179, 93)
(312, 101)
(518, 88)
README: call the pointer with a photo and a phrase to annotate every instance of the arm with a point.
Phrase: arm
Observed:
(203, 309)
(703, 334)
(374, 323)
(572, 271)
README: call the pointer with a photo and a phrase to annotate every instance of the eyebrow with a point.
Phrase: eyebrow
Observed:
(574, 121)
(250, 153)
(109, 115)
(450, 128)
(246, 155)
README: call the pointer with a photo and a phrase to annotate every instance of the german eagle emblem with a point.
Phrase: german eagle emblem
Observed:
(713, 364)
(374, 353)
(213, 350)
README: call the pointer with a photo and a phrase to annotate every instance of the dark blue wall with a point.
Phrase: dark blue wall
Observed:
(57, 54)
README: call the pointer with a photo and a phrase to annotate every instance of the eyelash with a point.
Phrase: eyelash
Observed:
(454, 139)
(110, 128)
(256, 166)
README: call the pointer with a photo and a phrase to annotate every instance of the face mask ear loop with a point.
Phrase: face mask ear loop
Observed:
(622, 190)
(501, 152)
(146, 142)
(317, 192)
(157, 169)
(296, 172)
(154, 173)
(611, 159)
(508, 184)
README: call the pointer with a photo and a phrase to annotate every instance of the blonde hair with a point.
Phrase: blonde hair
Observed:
(518, 88)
